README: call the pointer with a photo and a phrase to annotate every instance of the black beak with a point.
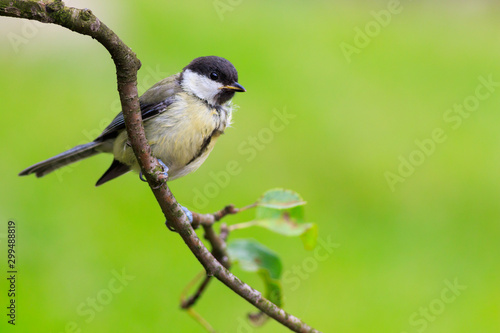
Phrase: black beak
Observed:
(235, 87)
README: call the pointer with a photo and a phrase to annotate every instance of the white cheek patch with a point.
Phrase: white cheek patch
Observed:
(200, 86)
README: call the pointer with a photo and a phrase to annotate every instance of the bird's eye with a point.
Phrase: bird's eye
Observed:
(214, 76)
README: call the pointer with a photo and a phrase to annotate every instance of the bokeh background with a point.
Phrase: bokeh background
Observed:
(354, 118)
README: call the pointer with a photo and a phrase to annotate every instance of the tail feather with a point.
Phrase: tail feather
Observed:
(115, 170)
(70, 156)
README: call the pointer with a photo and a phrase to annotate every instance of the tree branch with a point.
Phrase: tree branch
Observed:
(127, 65)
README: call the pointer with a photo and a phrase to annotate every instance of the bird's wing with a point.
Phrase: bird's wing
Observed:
(153, 102)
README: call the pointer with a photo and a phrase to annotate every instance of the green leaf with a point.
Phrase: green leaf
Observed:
(273, 288)
(310, 237)
(280, 199)
(282, 212)
(255, 257)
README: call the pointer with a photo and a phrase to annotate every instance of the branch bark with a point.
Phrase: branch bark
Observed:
(83, 21)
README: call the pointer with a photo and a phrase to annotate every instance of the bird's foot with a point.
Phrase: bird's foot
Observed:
(164, 173)
(188, 214)
(165, 169)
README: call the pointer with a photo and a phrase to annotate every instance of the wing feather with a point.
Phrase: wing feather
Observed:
(153, 102)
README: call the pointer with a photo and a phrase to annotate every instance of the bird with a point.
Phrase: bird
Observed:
(183, 116)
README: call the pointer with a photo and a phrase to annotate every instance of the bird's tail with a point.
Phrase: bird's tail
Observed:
(70, 156)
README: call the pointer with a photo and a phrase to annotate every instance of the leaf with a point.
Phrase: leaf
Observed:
(282, 212)
(310, 237)
(255, 257)
(280, 199)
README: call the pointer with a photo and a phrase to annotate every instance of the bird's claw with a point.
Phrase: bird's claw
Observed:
(165, 168)
(188, 214)
(164, 173)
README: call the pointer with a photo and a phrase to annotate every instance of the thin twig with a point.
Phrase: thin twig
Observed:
(219, 252)
(209, 219)
(248, 207)
(191, 300)
(242, 225)
(201, 320)
(218, 245)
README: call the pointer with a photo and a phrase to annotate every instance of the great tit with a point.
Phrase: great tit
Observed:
(183, 116)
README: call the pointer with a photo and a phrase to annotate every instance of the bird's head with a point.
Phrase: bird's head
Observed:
(212, 79)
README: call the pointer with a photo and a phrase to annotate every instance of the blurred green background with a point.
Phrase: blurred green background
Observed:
(355, 118)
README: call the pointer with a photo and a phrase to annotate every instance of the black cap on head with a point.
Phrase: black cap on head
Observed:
(220, 70)
(225, 71)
